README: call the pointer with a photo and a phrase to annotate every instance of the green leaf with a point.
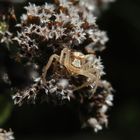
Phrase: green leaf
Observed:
(5, 109)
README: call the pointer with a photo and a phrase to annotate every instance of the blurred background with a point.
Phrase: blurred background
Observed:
(121, 60)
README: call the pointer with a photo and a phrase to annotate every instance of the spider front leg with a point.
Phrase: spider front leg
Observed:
(64, 52)
(91, 79)
(96, 83)
(47, 66)
(86, 66)
(65, 58)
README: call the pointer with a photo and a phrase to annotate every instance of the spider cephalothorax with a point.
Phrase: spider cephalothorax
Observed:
(76, 63)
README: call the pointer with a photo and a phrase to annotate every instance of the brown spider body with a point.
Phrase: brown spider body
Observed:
(77, 64)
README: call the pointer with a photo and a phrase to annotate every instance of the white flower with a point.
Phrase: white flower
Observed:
(94, 124)
(109, 99)
(63, 83)
(103, 109)
(4, 135)
(79, 36)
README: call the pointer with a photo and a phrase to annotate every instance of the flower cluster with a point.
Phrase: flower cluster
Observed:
(6, 135)
(100, 103)
(61, 40)
(58, 24)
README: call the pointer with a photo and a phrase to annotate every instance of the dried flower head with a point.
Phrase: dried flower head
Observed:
(58, 24)
(61, 39)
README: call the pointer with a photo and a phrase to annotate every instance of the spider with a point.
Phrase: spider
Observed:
(77, 64)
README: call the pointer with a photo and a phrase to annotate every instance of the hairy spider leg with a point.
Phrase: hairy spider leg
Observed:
(64, 52)
(96, 84)
(86, 66)
(88, 72)
(67, 60)
(47, 66)
(95, 79)
(91, 78)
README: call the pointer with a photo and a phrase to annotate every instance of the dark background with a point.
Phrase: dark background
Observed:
(121, 61)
